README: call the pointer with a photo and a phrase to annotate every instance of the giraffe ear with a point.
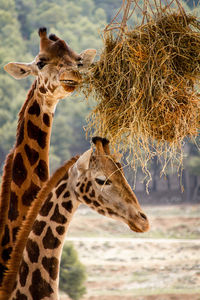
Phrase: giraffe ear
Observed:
(18, 70)
(84, 160)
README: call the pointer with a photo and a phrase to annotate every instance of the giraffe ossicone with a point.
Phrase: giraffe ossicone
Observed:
(57, 70)
(94, 179)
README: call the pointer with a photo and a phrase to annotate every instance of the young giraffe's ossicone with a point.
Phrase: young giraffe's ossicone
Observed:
(57, 70)
(95, 179)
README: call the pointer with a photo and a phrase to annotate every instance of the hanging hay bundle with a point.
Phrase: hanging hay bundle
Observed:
(145, 84)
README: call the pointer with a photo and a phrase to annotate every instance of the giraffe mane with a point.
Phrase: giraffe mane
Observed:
(24, 106)
(5, 190)
(13, 264)
(7, 170)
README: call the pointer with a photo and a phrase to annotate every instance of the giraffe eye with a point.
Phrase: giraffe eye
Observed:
(103, 182)
(41, 64)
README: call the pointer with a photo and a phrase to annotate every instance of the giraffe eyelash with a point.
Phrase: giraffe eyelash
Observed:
(103, 182)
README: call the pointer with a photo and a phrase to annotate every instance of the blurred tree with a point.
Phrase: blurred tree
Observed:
(72, 273)
(192, 3)
(68, 136)
(192, 172)
(13, 49)
(109, 6)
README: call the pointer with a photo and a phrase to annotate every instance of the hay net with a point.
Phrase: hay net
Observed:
(146, 82)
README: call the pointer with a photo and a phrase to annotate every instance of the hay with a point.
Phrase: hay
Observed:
(145, 86)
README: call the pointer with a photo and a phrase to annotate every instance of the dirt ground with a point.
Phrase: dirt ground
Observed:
(163, 264)
(158, 297)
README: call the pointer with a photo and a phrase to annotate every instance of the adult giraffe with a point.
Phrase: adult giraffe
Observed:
(95, 179)
(56, 68)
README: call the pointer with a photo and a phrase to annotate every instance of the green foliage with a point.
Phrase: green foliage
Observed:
(72, 273)
(194, 165)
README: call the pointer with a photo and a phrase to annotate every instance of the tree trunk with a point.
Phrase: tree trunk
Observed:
(196, 189)
(168, 182)
(186, 185)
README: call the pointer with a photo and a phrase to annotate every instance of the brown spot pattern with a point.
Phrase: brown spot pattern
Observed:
(101, 211)
(32, 250)
(42, 170)
(100, 199)
(86, 199)
(30, 194)
(39, 288)
(82, 187)
(66, 195)
(96, 203)
(58, 217)
(68, 205)
(60, 189)
(13, 208)
(23, 272)
(92, 194)
(35, 133)
(43, 90)
(46, 207)
(89, 184)
(46, 120)
(111, 212)
(50, 241)
(19, 172)
(6, 253)
(31, 154)
(38, 227)
(2, 270)
(60, 229)
(34, 109)
(14, 233)
(51, 266)
(6, 236)
(20, 296)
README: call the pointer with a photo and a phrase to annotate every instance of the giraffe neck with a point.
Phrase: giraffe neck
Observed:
(39, 269)
(36, 256)
(27, 167)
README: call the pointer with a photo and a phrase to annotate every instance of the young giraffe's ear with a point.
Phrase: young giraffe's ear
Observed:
(84, 160)
(18, 70)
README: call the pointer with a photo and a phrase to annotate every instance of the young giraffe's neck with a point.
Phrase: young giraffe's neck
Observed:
(38, 267)
(27, 167)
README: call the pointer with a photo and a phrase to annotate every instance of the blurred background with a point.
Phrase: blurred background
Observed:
(161, 264)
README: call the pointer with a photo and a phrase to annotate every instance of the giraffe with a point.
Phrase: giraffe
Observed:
(57, 73)
(95, 179)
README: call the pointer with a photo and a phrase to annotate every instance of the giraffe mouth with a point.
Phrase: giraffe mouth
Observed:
(141, 228)
(69, 82)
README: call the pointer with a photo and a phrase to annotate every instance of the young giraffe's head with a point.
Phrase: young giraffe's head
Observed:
(57, 66)
(101, 184)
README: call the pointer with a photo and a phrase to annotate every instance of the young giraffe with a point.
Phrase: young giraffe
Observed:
(56, 68)
(94, 179)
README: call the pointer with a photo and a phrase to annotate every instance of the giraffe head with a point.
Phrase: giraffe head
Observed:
(57, 67)
(101, 184)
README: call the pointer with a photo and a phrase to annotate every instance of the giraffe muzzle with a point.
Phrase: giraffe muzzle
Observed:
(139, 223)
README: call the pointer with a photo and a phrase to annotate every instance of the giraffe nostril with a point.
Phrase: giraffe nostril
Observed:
(143, 216)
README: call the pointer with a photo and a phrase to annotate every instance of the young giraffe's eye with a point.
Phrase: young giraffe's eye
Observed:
(103, 182)
(41, 64)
